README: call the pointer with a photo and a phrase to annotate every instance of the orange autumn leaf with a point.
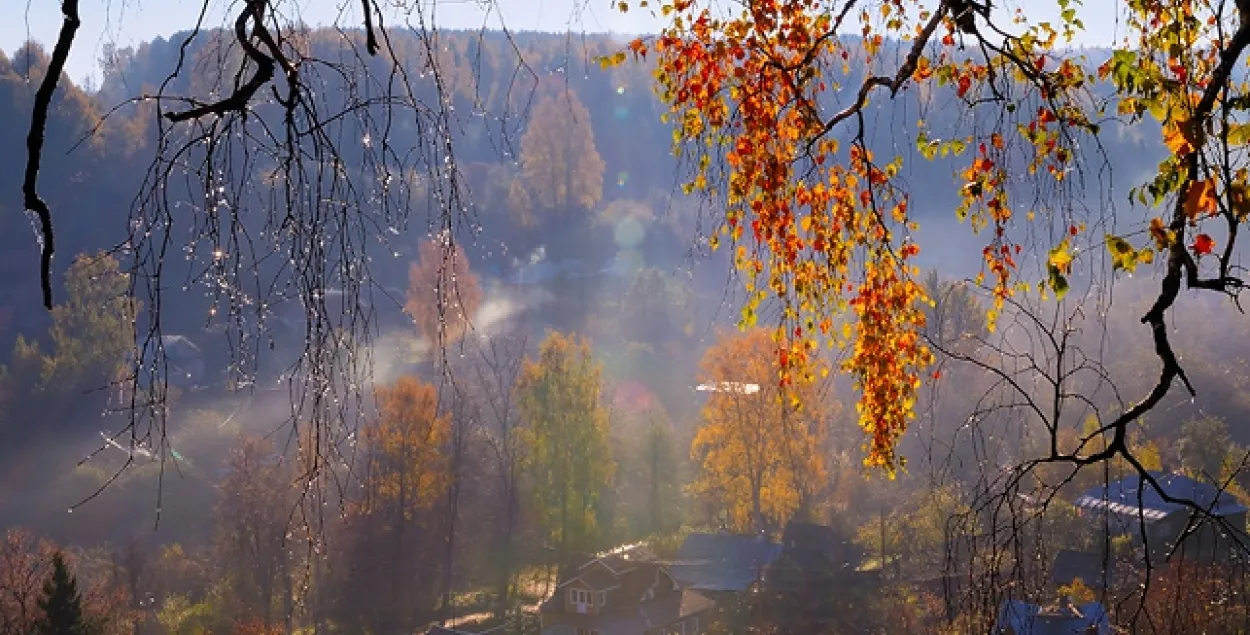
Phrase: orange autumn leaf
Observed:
(1159, 232)
(1200, 199)
(924, 70)
(1178, 138)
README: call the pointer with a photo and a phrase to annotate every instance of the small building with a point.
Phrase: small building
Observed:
(816, 581)
(1129, 503)
(722, 562)
(1022, 618)
(623, 593)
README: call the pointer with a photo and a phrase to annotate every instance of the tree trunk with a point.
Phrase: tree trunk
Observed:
(288, 594)
(655, 484)
(453, 511)
(757, 509)
(397, 553)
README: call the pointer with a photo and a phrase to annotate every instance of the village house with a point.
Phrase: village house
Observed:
(624, 593)
(1022, 618)
(1129, 503)
(813, 558)
(723, 563)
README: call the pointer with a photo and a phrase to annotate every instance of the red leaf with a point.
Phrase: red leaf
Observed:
(1203, 244)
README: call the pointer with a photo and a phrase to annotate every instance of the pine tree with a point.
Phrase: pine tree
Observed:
(61, 603)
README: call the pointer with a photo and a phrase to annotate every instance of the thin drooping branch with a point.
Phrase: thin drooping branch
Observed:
(35, 141)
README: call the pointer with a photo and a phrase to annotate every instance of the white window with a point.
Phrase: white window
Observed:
(603, 598)
(579, 596)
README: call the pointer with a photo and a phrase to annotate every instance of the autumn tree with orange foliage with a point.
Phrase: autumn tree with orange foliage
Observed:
(561, 171)
(391, 527)
(761, 445)
(407, 469)
(443, 293)
(769, 100)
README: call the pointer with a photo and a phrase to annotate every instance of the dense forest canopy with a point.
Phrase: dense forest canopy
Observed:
(386, 325)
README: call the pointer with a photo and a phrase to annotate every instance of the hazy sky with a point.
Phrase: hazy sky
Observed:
(128, 22)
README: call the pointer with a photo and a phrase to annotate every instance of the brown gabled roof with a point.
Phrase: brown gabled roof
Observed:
(598, 578)
(674, 606)
(665, 609)
(635, 583)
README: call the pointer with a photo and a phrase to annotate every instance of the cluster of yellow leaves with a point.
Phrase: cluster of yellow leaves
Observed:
(825, 229)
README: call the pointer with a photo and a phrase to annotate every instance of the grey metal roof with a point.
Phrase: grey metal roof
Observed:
(1132, 496)
(722, 562)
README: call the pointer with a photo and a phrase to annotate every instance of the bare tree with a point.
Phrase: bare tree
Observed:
(496, 366)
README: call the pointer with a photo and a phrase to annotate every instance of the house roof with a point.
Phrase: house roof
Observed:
(606, 570)
(667, 608)
(1021, 618)
(722, 562)
(670, 607)
(598, 577)
(624, 587)
(808, 535)
(1131, 497)
(803, 541)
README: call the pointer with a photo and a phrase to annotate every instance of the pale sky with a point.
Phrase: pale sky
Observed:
(128, 22)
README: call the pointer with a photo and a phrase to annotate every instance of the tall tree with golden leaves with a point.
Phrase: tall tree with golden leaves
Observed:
(561, 171)
(443, 293)
(761, 446)
(565, 440)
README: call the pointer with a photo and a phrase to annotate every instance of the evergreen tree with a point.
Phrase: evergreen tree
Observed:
(61, 603)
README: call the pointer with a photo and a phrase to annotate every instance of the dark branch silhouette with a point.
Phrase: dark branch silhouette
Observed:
(35, 140)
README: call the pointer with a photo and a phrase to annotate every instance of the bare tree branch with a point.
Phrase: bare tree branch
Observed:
(35, 140)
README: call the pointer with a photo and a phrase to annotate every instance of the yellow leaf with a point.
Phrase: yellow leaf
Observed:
(1123, 256)
(1061, 257)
